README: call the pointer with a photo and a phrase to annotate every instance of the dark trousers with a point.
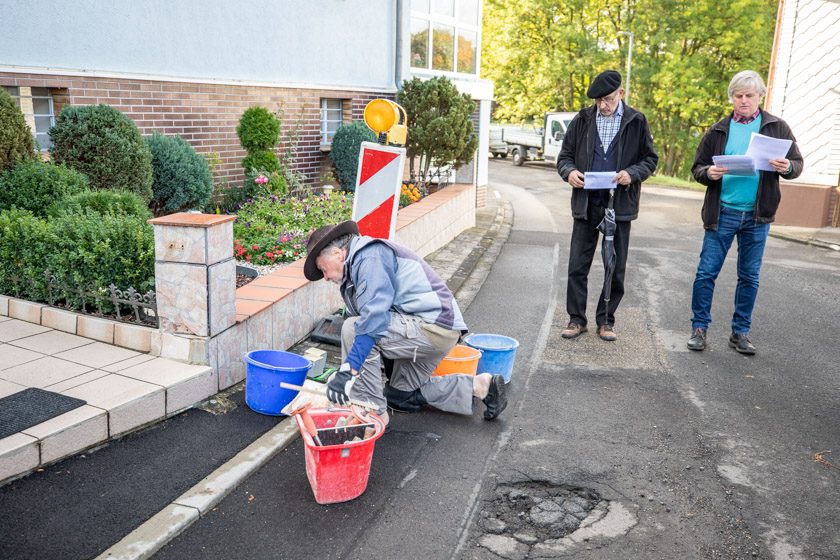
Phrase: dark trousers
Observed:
(584, 242)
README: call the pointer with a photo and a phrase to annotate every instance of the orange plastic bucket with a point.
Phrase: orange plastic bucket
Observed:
(461, 359)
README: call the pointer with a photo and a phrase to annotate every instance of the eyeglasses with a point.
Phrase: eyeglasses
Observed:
(608, 99)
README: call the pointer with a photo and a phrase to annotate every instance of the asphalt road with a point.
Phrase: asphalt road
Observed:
(662, 452)
(688, 455)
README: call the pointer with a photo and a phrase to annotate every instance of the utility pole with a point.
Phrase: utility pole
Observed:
(629, 62)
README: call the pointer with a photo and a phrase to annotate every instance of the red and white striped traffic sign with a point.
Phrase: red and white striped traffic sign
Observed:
(378, 183)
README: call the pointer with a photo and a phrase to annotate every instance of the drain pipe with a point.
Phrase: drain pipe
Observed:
(398, 44)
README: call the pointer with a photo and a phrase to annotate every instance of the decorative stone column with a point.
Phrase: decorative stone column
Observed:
(195, 273)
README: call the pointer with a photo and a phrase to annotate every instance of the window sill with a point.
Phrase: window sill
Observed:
(325, 148)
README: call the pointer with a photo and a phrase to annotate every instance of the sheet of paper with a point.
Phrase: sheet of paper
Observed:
(736, 165)
(763, 148)
(599, 180)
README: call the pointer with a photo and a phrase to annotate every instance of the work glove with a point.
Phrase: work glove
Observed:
(338, 389)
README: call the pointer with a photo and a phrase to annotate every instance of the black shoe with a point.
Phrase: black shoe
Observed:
(496, 399)
(698, 340)
(404, 401)
(741, 343)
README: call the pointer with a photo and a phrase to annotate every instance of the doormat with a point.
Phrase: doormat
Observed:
(32, 406)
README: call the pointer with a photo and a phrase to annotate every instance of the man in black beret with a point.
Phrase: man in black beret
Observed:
(610, 137)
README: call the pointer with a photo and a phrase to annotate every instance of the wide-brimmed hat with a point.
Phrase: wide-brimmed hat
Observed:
(319, 239)
(604, 84)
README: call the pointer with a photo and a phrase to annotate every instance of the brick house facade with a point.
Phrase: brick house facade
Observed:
(206, 114)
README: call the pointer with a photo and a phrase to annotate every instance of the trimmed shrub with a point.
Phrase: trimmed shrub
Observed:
(261, 160)
(182, 178)
(34, 185)
(111, 203)
(16, 142)
(105, 145)
(345, 151)
(258, 129)
(89, 250)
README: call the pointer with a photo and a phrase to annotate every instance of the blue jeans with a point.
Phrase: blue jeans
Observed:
(752, 238)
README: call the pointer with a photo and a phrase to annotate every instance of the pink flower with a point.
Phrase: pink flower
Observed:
(261, 179)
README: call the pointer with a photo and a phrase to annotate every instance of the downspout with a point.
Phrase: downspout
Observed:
(771, 74)
(398, 46)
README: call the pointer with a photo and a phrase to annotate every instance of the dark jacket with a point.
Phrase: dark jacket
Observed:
(769, 195)
(635, 155)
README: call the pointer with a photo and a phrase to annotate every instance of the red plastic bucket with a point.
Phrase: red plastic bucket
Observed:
(337, 473)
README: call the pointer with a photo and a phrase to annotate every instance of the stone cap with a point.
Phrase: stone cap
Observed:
(188, 219)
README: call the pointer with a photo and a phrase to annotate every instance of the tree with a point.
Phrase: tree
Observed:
(16, 143)
(542, 54)
(440, 131)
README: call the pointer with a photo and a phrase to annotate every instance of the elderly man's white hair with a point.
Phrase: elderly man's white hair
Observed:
(746, 80)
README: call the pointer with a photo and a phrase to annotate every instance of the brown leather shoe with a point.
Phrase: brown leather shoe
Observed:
(573, 330)
(606, 332)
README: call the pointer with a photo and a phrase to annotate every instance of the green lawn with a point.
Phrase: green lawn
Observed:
(674, 182)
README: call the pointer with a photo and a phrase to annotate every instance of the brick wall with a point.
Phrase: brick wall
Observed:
(206, 115)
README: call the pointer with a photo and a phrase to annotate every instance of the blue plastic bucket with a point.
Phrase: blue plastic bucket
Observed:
(498, 353)
(266, 369)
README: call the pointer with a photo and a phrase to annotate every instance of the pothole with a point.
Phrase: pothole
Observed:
(539, 511)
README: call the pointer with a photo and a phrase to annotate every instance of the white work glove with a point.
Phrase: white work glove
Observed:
(338, 389)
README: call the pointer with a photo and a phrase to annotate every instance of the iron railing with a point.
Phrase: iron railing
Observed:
(126, 305)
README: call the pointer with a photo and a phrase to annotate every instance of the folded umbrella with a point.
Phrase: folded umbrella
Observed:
(607, 228)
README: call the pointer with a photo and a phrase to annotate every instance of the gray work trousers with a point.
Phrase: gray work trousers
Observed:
(415, 358)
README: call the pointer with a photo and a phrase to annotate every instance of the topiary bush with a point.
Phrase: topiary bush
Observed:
(258, 129)
(182, 178)
(345, 151)
(24, 240)
(261, 160)
(35, 185)
(110, 203)
(105, 145)
(16, 142)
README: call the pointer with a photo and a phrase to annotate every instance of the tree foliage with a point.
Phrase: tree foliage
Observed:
(542, 55)
(16, 143)
(440, 129)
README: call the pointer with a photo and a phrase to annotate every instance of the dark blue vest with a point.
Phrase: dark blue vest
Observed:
(603, 162)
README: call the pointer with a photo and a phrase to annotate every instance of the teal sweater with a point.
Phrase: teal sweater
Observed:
(738, 193)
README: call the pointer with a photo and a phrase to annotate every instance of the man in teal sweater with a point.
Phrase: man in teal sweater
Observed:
(737, 206)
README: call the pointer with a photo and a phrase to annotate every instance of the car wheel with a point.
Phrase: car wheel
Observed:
(503, 156)
(518, 158)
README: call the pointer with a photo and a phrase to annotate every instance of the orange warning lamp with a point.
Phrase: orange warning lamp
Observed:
(387, 119)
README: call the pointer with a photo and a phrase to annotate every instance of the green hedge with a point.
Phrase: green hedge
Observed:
(105, 145)
(101, 202)
(89, 249)
(182, 178)
(34, 185)
(258, 129)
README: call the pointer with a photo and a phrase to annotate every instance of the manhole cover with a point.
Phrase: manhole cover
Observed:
(537, 511)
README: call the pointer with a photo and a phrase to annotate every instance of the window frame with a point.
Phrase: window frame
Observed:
(31, 117)
(431, 18)
(325, 121)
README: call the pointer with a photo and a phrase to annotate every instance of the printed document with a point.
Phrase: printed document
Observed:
(599, 180)
(736, 165)
(764, 148)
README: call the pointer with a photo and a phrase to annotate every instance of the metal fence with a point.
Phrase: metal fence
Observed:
(126, 305)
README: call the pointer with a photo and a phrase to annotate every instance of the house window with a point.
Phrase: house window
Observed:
(331, 119)
(36, 104)
(445, 35)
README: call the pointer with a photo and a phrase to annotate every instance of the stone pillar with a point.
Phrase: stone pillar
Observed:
(195, 273)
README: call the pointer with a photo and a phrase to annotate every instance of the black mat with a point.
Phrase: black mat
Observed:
(30, 407)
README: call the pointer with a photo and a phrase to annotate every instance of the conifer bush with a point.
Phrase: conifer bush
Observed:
(344, 153)
(16, 142)
(182, 178)
(105, 145)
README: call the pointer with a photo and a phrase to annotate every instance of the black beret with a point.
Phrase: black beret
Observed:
(604, 84)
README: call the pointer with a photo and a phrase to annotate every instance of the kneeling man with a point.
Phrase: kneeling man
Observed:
(399, 309)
